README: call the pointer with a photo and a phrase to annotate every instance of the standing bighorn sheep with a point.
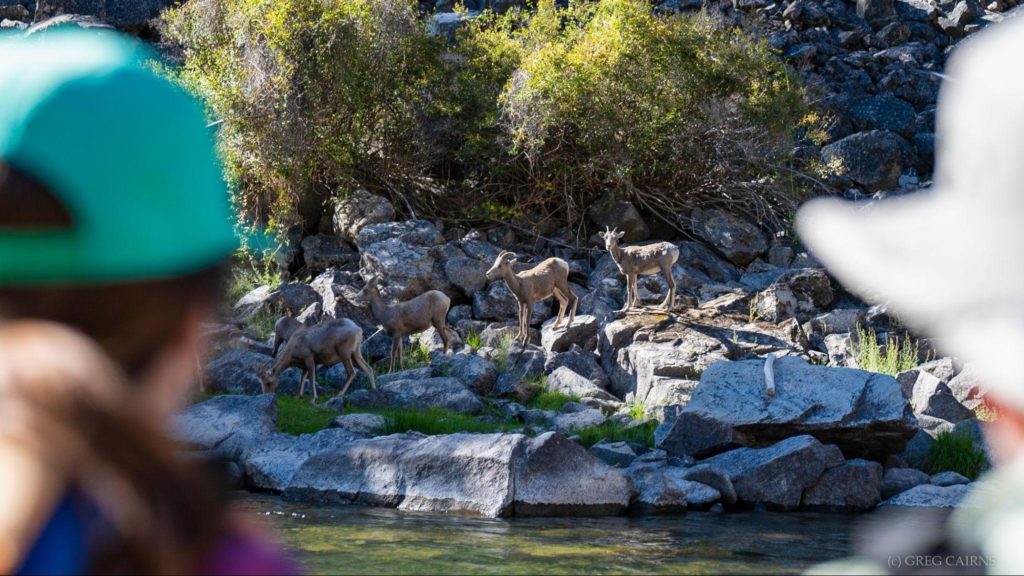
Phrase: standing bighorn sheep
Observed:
(326, 343)
(644, 260)
(549, 278)
(411, 317)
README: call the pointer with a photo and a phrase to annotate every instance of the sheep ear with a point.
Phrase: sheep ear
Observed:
(619, 235)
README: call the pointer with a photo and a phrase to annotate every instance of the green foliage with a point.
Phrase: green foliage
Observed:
(551, 401)
(474, 341)
(434, 421)
(667, 110)
(637, 411)
(300, 416)
(501, 352)
(417, 355)
(250, 270)
(262, 322)
(310, 94)
(890, 357)
(956, 452)
(615, 432)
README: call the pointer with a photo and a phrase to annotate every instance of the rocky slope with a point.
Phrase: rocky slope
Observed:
(832, 437)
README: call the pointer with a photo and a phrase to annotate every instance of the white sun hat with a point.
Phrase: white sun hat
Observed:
(950, 261)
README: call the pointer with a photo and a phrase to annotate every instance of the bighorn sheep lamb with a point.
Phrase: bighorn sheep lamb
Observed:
(283, 330)
(549, 278)
(326, 343)
(410, 317)
(644, 260)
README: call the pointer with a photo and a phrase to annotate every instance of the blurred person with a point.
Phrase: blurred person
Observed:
(948, 263)
(114, 223)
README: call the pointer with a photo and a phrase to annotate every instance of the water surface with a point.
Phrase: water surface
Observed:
(360, 540)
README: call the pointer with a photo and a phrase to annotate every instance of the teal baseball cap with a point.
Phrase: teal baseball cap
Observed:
(126, 151)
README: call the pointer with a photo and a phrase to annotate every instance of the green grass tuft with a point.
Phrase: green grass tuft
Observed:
(956, 452)
(262, 322)
(615, 432)
(474, 341)
(546, 400)
(637, 411)
(896, 357)
(433, 421)
(300, 416)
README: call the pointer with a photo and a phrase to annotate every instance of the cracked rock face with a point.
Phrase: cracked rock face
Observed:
(864, 413)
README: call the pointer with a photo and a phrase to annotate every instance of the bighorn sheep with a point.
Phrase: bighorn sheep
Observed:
(283, 330)
(410, 317)
(644, 260)
(549, 278)
(326, 343)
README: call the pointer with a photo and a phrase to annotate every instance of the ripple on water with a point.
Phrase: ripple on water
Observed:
(358, 540)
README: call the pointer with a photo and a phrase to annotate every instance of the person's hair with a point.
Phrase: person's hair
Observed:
(166, 511)
(65, 400)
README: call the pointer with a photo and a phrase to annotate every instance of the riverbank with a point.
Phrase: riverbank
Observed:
(360, 540)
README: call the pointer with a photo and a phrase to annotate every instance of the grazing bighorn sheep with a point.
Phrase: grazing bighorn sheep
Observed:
(549, 278)
(326, 343)
(644, 260)
(283, 330)
(410, 317)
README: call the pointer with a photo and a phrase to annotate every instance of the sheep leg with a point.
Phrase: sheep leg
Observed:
(401, 354)
(312, 379)
(522, 317)
(358, 357)
(670, 298)
(394, 348)
(575, 300)
(526, 324)
(443, 331)
(563, 304)
(636, 291)
(350, 375)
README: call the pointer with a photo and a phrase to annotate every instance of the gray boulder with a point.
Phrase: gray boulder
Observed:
(227, 425)
(466, 274)
(714, 478)
(661, 489)
(84, 22)
(568, 422)
(291, 298)
(407, 270)
(799, 294)
(873, 159)
(132, 16)
(498, 303)
(864, 413)
(966, 388)
(855, 486)
(622, 214)
(236, 371)
(358, 209)
(272, 463)
(619, 454)
(323, 251)
(411, 232)
(777, 476)
(582, 332)
(736, 239)
(361, 424)
(339, 299)
(931, 397)
(473, 371)
(918, 449)
(447, 473)
(949, 478)
(570, 383)
(581, 362)
(14, 12)
(929, 496)
(558, 477)
(448, 393)
(898, 480)
(883, 112)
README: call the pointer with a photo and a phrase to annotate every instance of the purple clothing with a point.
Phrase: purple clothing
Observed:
(244, 554)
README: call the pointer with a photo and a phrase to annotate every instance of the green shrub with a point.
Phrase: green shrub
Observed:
(501, 352)
(669, 111)
(311, 94)
(432, 421)
(891, 358)
(262, 322)
(956, 452)
(474, 341)
(615, 432)
(250, 270)
(300, 416)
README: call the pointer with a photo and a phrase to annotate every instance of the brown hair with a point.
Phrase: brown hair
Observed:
(70, 392)
(74, 413)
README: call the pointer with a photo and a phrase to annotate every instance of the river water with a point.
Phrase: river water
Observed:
(360, 540)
